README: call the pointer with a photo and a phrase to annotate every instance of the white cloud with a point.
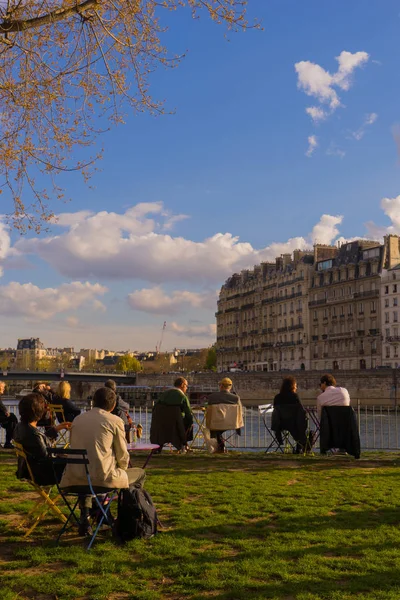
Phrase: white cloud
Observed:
(156, 301)
(369, 120)
(109, 246)
(72, 321)
(31, 302)
(317, 114)
(312, 145)
(333, 150)
(391, 208)
(5, 244)
(208, 331)
(315, 81)
(325, 231)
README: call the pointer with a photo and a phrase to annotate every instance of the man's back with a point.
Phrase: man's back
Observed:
(222, 397)
(333, 396)
(103, 436)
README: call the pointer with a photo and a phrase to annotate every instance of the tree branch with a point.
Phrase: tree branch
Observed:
(16, 26)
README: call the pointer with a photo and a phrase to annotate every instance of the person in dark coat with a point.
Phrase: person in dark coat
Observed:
(121, 409)
(288, 393)
(7, 420)
(161, 428)
(289, 414)
(34, 442)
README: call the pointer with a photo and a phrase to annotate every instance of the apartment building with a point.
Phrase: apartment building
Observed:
(344, 308)
(390, 292)
(29, 352)
(319, 309)
(262, 316)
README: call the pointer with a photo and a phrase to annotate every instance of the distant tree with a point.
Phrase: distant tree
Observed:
(47, 363)
(63, 64)
(4, 361)
(128, 363)
(211, 359)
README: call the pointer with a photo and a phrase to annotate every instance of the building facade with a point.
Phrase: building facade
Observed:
(262, 316)
(390, 290)
(319, 309)
(29, 352)
(344, 306)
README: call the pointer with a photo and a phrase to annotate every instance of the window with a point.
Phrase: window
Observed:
(361, 308)
(387, 332)
(386, 317)
(395, 288)
(371, 253)
(386, 289)
(386, 302)
(325, 264)
(387, 351)
(373, 306)
(395, 301)
(395, 316)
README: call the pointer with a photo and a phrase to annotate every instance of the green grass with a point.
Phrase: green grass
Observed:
(243, 526)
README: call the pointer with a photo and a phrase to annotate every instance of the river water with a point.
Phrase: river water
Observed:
(379, 427)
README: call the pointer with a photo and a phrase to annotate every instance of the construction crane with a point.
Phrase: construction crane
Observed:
(158, 348)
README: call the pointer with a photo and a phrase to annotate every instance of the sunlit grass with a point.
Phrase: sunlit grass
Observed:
(235, 527)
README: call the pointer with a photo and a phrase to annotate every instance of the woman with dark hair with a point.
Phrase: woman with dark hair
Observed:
(289, 414)
(34, 442)
(287, 394)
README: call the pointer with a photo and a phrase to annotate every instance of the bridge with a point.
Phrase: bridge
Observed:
(71, 376)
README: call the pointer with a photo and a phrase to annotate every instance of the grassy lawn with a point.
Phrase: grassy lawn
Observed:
(239, 526)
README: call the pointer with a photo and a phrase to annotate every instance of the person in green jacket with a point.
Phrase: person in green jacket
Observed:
(176, 396)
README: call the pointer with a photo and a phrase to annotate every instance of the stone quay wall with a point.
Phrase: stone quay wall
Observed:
(369, 387)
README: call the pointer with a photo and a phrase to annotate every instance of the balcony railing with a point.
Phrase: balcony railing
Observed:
(369, 293)
(317, 302)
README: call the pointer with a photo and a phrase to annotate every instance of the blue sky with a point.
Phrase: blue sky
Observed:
(231, 160)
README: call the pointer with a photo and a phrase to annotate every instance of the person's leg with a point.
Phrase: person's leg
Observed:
(136, 477)
(85, 504)
(9, 425)
(221, 443)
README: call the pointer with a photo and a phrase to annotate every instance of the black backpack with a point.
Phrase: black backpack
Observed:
(137, 515)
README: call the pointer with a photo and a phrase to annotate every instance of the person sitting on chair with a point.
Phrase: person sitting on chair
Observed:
(102, 434)
(63, 396)
(176, 396)
(331, 395)
(289, 414)
(224, 396)
(34, 442)
(7, 420)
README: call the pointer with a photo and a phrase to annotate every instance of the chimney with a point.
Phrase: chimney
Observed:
(279, 263)
(392, 251)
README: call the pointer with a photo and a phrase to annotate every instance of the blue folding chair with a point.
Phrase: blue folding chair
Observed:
(102, 496)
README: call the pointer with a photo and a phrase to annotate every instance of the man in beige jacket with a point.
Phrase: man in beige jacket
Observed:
(103, 436)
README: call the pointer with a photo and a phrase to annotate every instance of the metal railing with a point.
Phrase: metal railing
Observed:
(379, 427)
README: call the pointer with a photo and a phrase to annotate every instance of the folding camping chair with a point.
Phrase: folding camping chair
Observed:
(225, 419)
(288, 447)
(102, 496)
(55, 410)
(44, 503)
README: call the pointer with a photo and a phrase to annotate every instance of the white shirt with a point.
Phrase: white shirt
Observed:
(333, 396)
